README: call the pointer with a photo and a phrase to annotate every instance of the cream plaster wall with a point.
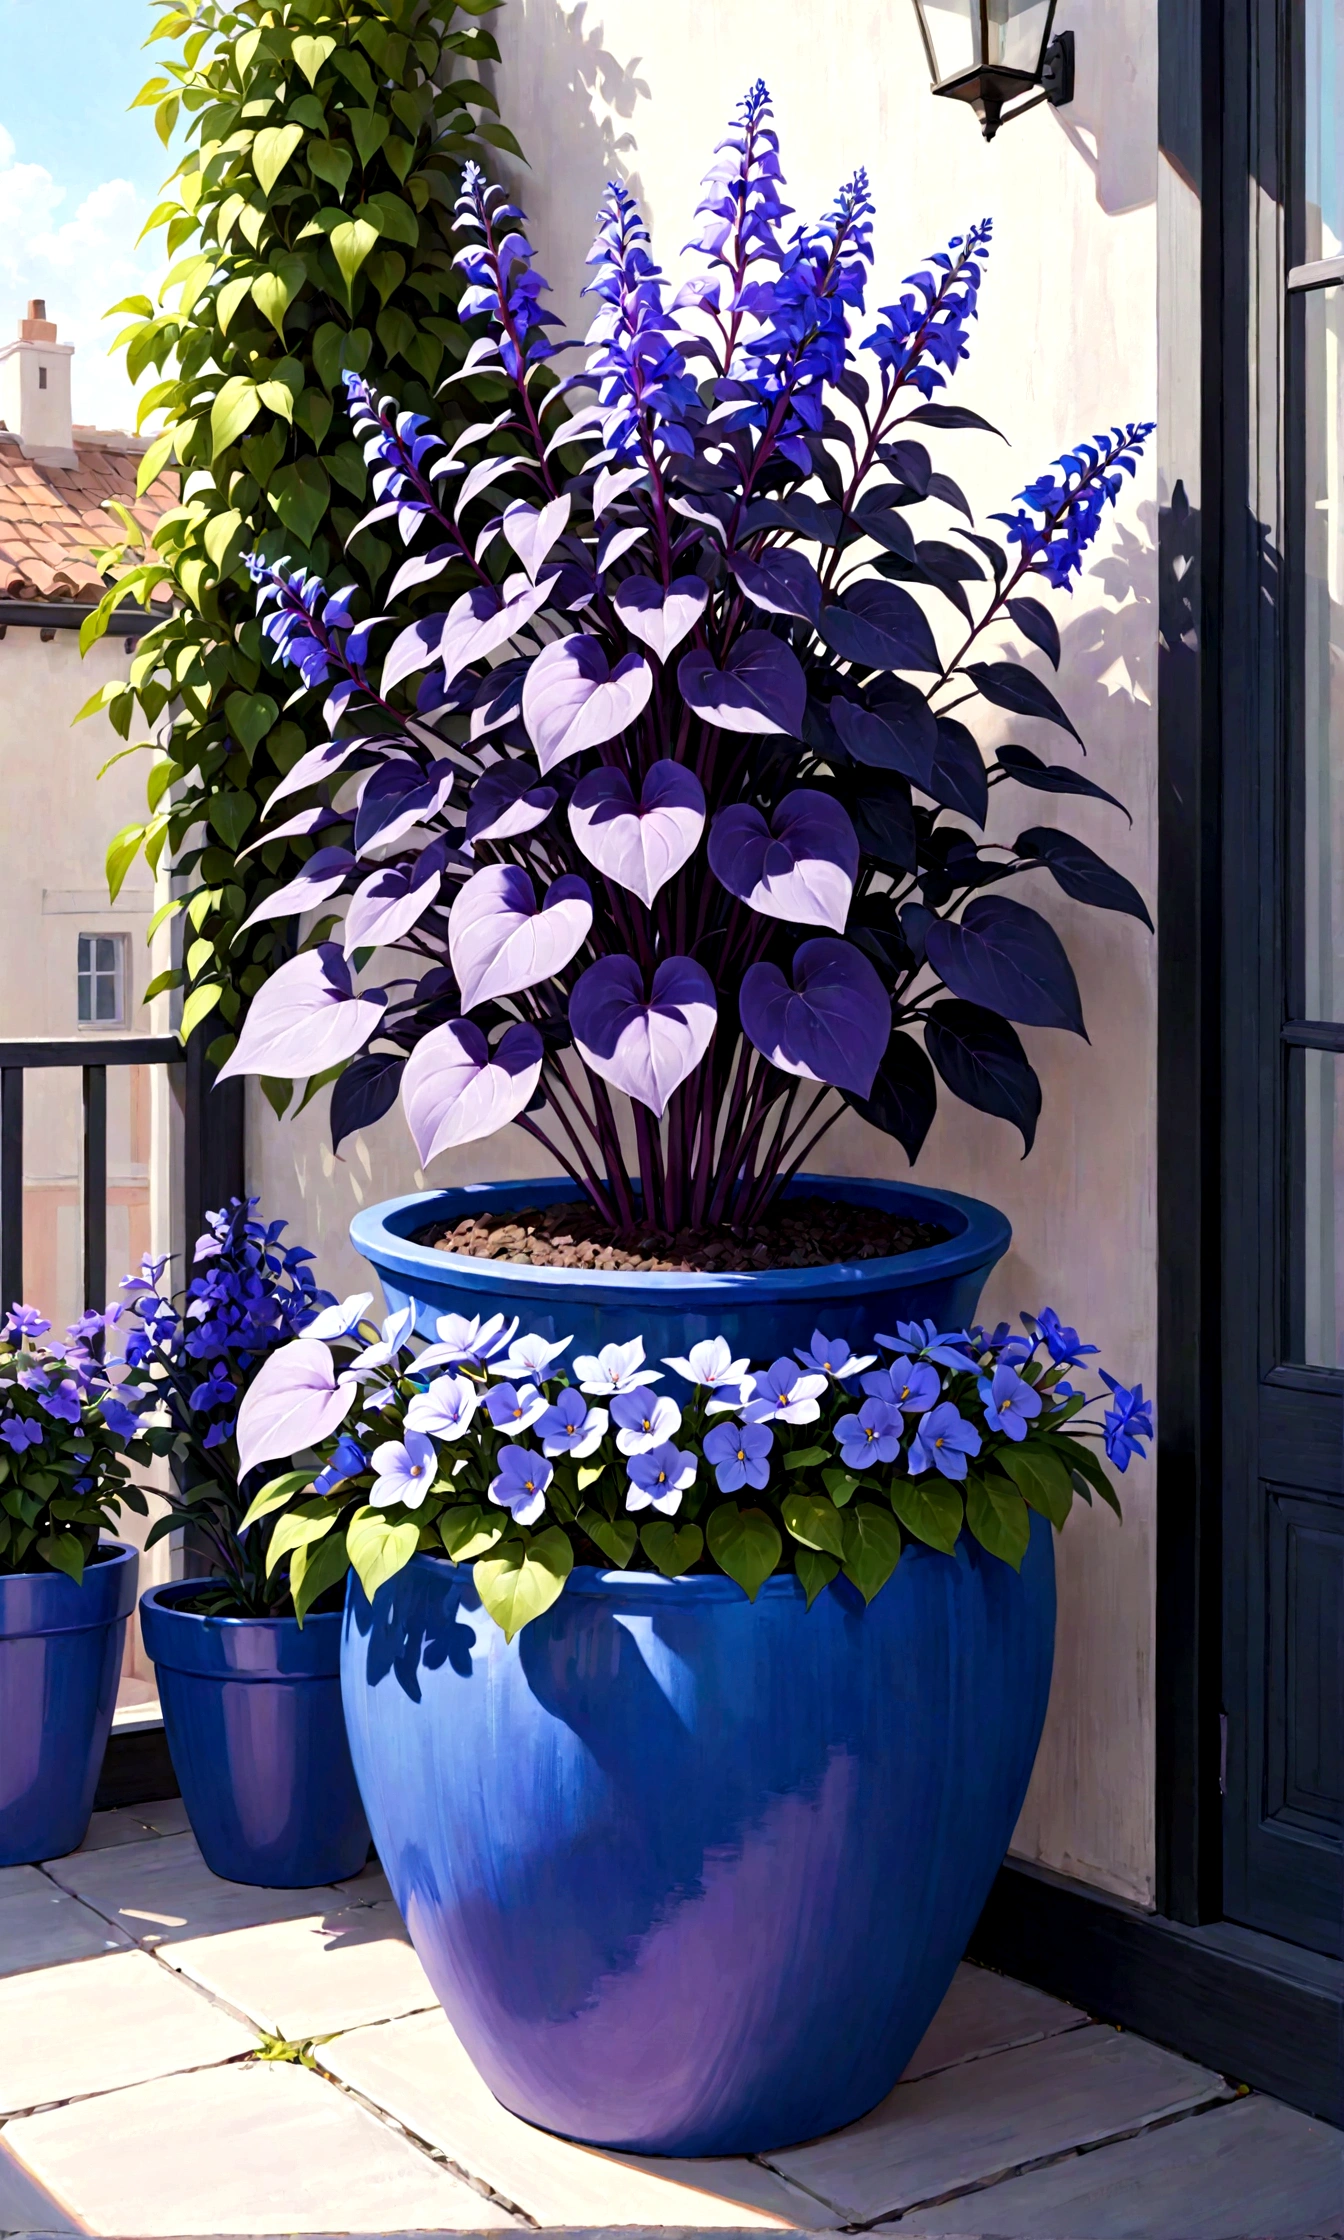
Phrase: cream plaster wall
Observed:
(1066, 344)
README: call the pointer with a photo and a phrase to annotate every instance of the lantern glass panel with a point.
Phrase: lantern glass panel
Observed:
(966, 34)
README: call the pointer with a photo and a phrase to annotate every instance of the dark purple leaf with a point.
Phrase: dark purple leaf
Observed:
(801, 866)
(782, 582)
(456, 1089)
(832, 1025)
(506, 802)
(1051, 777)
(305, 1018)
(910, 463)
(897, 537)
(877, 625)
(500, 942)
(904, 1095)
(571, 700)
(983, 1062)
(959, 779)
(363, 1093)
(1082, 873)
(660, 618)
(640, 844)
(1037, 623)
(398, 795)
(819, 524)
(885, 826)
(899, 733)
(993, 552)
(1011, 960)
(1018, 690)
(942, 486)
(498, 697)
(761, 688)
(953, 416)
(644, 1046)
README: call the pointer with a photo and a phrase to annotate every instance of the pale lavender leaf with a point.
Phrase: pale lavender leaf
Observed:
(422, 568)
(800, 867)
(291, 1403)
(305, 1018)
(532, 533)
(571, 700)
(832, 1025)
(615, 541)
(322, 876)
(782, 582)
(317, 763)
(612, 483)
(761, 689)
(482, 476)
(465, 644)
(307, 821)
(499, 942)
(418, 644)
(639, 844)
(393, 899)
(505, 802)
(456, 1090)
(646, 1047)
(660, 618)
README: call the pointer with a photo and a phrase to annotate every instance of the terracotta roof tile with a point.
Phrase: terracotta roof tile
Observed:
(52, 517)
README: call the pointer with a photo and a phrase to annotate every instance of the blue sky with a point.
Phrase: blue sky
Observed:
(79, 174)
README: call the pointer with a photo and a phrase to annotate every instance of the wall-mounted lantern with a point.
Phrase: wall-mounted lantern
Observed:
(991, 52)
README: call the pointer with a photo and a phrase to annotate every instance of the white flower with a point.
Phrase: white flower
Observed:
(338, 1322)
(393, 1340)
(529, 1357)
(405, 1471)
(446, 1410)
(461, 1339)
(645, 1421)
(615, 1369)
(710, 1362)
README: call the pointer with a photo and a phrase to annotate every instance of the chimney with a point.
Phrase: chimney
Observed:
(35, 390)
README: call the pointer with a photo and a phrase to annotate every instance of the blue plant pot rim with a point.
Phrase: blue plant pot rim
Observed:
(235, 1648)
(47, 1602)
(979, 1234)
(631, 1587)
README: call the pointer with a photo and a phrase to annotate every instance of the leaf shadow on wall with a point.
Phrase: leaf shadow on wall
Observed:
(1112, 118)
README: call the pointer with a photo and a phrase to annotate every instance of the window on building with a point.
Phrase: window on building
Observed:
(102, 979)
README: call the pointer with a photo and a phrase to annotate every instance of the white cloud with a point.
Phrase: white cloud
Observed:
(80, 265)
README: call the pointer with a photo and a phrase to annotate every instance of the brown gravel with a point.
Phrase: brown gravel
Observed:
(804, 1233)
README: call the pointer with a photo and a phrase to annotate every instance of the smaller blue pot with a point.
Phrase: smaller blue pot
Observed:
(252, 1711)
(60, 1660)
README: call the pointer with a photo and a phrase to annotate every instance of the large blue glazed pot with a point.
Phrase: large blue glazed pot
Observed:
(762, 1315)
(252, 1712)
(691, 1875)
(60, 1660)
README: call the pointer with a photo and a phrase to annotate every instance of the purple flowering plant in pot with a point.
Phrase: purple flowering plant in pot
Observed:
(67, 1587)
(652, 819)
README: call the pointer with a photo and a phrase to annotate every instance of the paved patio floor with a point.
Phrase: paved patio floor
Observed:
(136, 1990)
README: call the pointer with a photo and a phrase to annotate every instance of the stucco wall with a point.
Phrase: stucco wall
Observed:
(1066, 344)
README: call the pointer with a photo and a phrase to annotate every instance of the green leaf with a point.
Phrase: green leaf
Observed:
(745, 1544)
(155, 460)
(806, 1458)
(233, 412)
(999, 1518)
(233, 293)
(588, 1474)
(616, 1538)
(310, 54)
(275, 1493)
(840, 1485)
(499, 136)
(329, 353)
(814, 1521)
(351, 243)
(931, 1511)
(199, 1005)
(1041, 1476)
(271, 151)
(1092, 1470)
(274, 291)
(230, 816)
(328, 160)
(368, 129)
(815, 1571)
(121, 854)
(65, 1552)
(220, 534)
(872, 1547)
(313, 1570)
(250, 716)
(311, 1520)
(467, 1533)
(394, 218)
(673, 1550)
(524, 1578)
(378, 1548)
(300, 494)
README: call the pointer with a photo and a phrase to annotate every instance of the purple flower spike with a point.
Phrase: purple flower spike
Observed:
(524, 1476)
(305, 1018)
(832, 1025)
(646, 1049)
(873, 1435)
(738, 1453)
(1010, 1402)
(800, 867)
(641, 845)
(942, 1442)
(659, 1478)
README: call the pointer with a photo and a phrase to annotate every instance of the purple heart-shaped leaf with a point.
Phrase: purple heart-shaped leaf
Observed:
(800, 867)
(571, 700)
(498, 940)
(644, 1047)
(762, 687)
(899, 733)
(639, 845)
(292, 1402)
(532, 533)
(417, 645)
(782, 582)
(832, 1025)
(305, 1018)
(661, 618)
(317, 819)
(456, 1089)
(398, 795)
(481, 621)
(319, 762)
(322, 876)
(393, 899)
(505, 802)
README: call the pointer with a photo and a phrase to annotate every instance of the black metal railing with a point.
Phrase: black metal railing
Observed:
(92, 1057)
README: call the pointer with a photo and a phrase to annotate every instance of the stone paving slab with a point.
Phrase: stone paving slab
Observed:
(943, 2134)
(98, 2024)
(1253, 2167)
(985, 2013)
(418, 2071)
(41, 1926)
(134, 1824)
(259, 2147)
(331, 1971)
(25, 2206)
(161, 1891)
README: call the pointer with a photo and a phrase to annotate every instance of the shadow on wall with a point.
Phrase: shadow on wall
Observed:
(1110, 118)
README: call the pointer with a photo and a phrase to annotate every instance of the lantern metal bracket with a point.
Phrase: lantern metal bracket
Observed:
(995, 91)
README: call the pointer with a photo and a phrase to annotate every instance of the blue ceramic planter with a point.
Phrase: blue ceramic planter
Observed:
(60, 1659)
(690, 1875)
(252, 1711)
(762, 1315)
